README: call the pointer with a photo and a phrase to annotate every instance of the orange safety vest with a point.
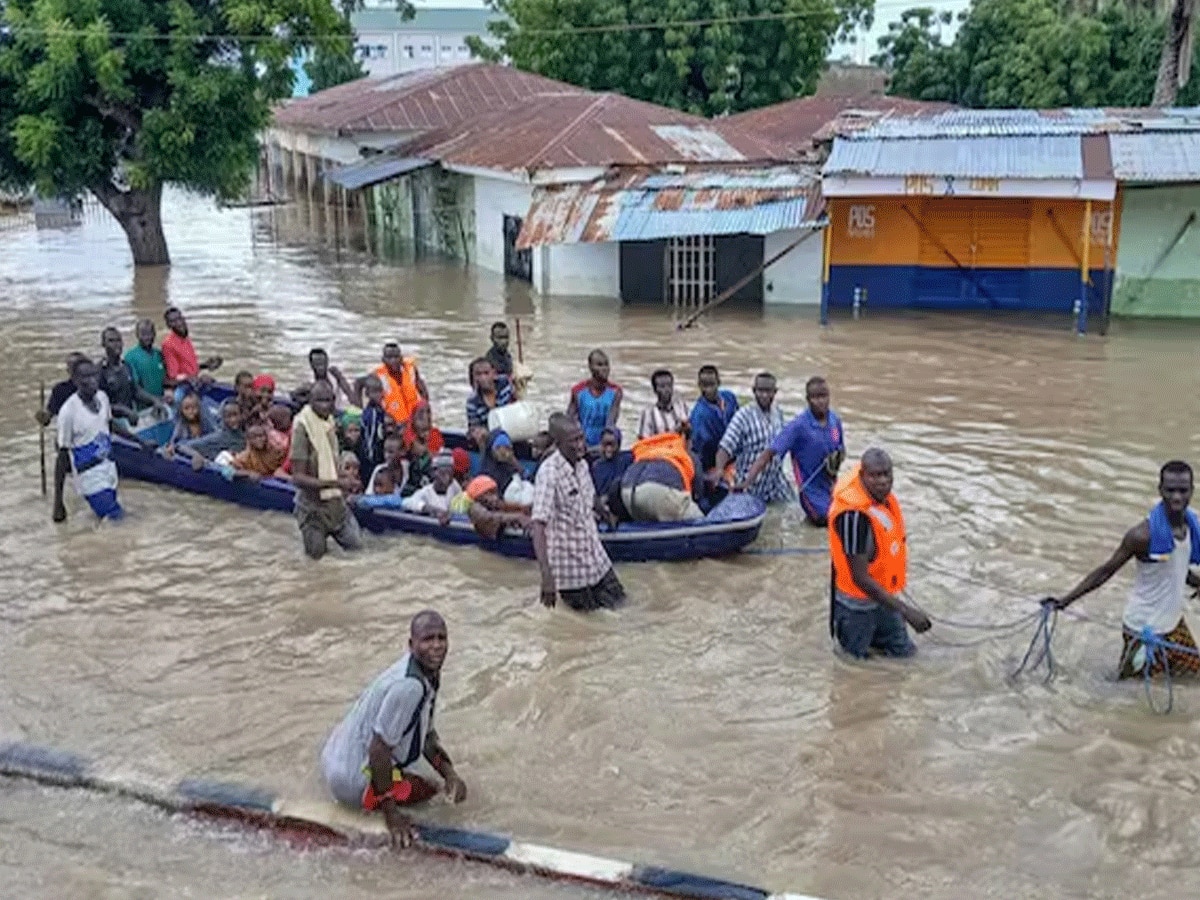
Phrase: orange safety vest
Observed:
(890, 566)
(671, 447)
(400, 398)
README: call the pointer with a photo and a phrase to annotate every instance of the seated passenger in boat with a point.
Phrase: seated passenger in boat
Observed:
(228, 438)
(264, 390)
(382, 484)
(490, 391)
(434, 498)
(376, 424)
(279, 433)
(259, 459)
(350, 471)
(394, 464)
(660, 484)
(501, 465)
(192, 420)
(462, 466)
(420, 467)
(245, 395)
(421, 426)
(610, 465)
(489, 514)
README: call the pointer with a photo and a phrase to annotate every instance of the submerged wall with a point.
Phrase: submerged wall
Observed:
(1158, 276)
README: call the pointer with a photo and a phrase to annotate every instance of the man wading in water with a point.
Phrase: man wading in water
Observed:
(1164, 544)
(386, 754)
(321, 508)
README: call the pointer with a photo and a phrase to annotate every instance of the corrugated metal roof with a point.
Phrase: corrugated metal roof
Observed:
(374, 170)
(982, 157)
(554, 131)
(797, 123)
(1156, 157)
(977, 123)
(646, 206)
(416, 101)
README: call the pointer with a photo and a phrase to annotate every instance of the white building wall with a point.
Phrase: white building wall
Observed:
(591, 270)
(496, 198)
(796, 278)
(387, 53)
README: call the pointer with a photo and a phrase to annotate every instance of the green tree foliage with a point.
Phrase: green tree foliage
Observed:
(1029, 53)
(737, 55)
(119, 97)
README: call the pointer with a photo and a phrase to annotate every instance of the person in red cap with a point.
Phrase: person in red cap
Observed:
(264, 390)
(386, 754)
(462, 466)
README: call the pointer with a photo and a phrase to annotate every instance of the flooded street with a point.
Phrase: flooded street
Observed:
(708, 726)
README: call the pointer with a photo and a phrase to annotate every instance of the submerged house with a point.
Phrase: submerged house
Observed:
(1158, 262)
(973, 209)
(1080, 212)
(572, 191)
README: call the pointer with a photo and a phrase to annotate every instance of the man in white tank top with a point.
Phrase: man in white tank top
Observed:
(1164, 544)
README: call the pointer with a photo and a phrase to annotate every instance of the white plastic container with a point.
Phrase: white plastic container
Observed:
(521, 420)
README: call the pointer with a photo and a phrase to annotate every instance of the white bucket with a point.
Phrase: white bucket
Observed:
(521, 420)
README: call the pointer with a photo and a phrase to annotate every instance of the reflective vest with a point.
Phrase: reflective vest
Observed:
(669, 446)
(400, 398)
(890, 566)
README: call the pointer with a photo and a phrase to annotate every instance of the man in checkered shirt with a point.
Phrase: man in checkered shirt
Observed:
(574, 563)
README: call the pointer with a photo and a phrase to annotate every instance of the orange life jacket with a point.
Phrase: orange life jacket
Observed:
(890, 566)
(400, 398)
(669, 446)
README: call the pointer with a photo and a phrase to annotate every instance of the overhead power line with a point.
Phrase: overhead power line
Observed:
(565, 31)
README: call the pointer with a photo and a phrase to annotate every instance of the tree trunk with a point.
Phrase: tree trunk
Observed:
(1176, 45)
(140, 214)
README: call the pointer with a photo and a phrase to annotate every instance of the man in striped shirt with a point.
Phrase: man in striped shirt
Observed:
(668, 414)
(752, 430)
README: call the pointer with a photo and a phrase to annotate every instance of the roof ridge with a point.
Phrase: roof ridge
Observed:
(572, 126)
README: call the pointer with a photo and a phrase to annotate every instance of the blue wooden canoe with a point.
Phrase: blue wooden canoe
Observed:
(731, 525)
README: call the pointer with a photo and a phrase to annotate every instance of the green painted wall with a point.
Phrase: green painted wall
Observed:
(1151, 217)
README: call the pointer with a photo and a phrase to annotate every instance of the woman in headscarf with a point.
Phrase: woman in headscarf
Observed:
(501, 465)
(192, 420)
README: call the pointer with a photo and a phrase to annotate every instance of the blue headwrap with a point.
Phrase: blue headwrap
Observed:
(501, 440)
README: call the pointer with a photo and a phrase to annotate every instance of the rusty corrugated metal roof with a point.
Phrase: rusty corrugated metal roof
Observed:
(643, 205)
(795, 124)
(572, 130)
(416, 101)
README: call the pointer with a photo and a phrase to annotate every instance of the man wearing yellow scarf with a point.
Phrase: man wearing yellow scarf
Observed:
(321, 509)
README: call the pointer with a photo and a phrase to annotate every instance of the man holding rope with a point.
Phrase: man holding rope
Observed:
(869, 549)
(1165, 544)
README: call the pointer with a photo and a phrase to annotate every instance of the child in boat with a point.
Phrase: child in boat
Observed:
(434, 498)
(348, 468)
(259, 459)
(420, 467)
(395, 464)
(192, 420)
(610, 465)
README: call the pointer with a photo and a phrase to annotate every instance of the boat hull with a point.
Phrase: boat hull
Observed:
(734, 524)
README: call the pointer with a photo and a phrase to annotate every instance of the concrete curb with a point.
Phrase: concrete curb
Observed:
(261, 807)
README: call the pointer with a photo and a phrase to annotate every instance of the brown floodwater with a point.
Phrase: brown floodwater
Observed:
(708, 725)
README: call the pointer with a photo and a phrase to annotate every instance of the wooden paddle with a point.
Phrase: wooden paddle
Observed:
(520, 374)
(42, 437)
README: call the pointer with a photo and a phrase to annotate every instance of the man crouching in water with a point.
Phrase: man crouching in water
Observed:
(1165, 544)
(384, 753)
